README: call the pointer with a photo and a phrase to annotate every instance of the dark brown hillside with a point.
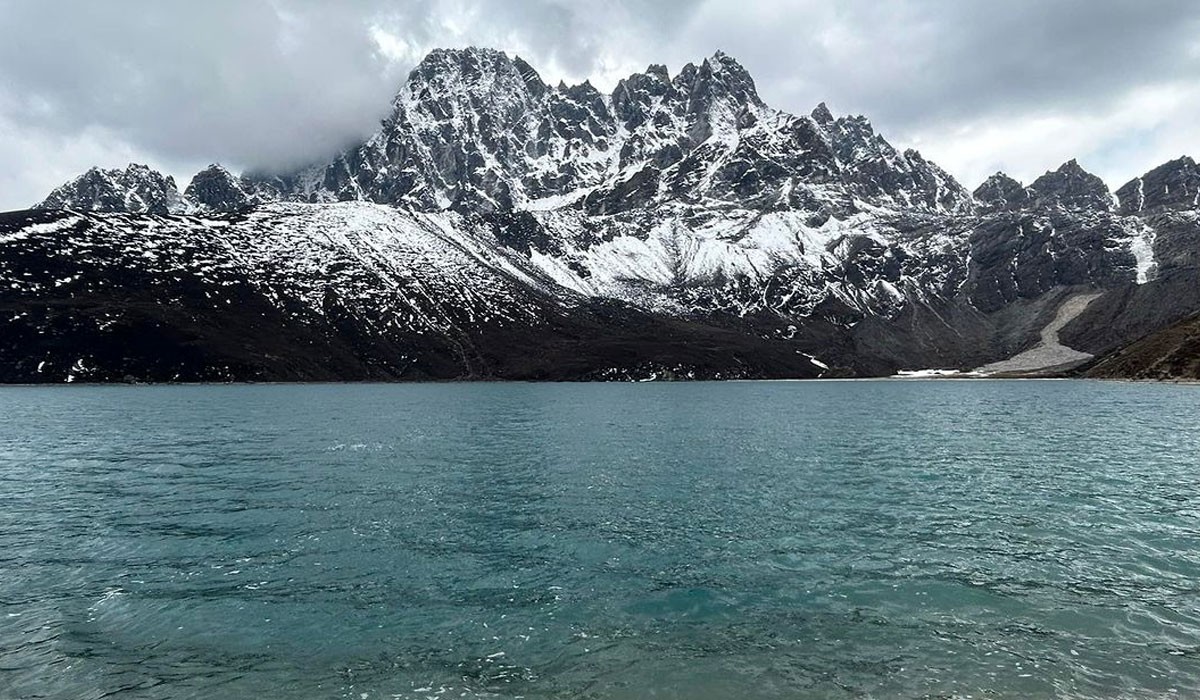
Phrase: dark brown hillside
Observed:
(1170, 354)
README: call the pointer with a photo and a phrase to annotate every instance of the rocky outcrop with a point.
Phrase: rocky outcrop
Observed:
(1000, 192)
(140, 190)
(218, 190)
(137, 189)
(1170, 186)
(1071, 187)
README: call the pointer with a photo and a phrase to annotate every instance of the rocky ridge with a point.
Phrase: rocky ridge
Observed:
(137, 190)
(680, 199)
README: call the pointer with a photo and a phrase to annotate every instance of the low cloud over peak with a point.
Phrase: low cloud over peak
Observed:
(266, 84)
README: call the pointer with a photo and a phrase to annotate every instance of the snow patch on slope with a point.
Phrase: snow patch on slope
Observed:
(1142, 247)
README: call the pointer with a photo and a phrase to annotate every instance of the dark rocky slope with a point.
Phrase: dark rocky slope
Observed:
(1172, 353)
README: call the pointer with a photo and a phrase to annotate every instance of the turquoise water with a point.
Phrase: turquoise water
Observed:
(739, 540)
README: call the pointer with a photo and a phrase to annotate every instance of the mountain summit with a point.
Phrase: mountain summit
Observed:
(498, 226)
(1072, 186)
(473, 129)
(136, 189)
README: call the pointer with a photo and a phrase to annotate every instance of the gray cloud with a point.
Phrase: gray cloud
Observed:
(275, 83)
(228, 79)
(910, 62)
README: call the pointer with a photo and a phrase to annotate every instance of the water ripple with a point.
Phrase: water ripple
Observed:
(745, 540)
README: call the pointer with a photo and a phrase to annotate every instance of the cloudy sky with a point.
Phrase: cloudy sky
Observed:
(978, 86)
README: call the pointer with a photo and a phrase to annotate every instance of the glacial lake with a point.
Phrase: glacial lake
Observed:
(888, 539)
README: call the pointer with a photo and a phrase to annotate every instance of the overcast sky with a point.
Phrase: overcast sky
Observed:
(977, 86)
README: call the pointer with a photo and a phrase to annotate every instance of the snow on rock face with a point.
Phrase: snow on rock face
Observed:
(323, 291)
(781, 262)
(1142, 247)
(473, 129)
(136, 189)
(422, 271)
(1072, 187)
(1174, 185)
(412, 271)
(1000, 192)
(682, 195)
(215, 189)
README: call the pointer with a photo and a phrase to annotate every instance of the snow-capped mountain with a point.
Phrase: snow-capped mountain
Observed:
(474, 129)
(494, 219)
(137, 189)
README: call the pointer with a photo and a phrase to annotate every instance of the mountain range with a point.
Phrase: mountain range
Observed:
(496, 226)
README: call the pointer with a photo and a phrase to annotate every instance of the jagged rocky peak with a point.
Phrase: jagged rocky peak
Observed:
(822, 115)
(217, 189)
(718, 77)
(1000, 192)
(449, 80)
(659, 72)
(463, 128)
(136, 189)
(935, 188)
(880, 173)
(533, 81)
(633, 96)
(1172, 185)
(1072, 187)
(717, 96)
(854, 140)
(475, 130)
